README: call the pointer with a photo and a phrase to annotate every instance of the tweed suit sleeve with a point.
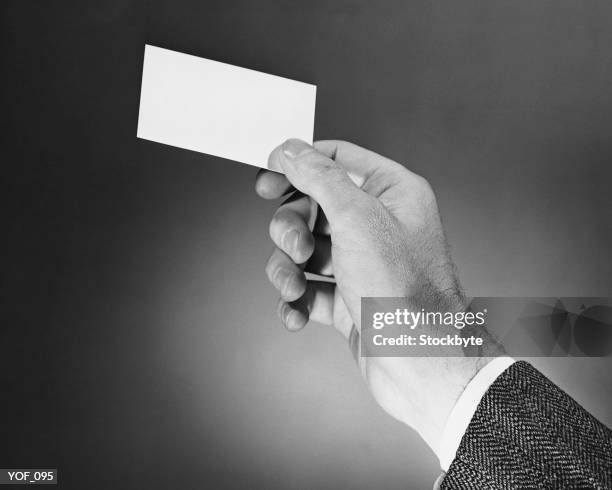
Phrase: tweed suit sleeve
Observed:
(527, 433)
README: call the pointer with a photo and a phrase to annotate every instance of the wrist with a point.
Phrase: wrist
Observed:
(435, 387)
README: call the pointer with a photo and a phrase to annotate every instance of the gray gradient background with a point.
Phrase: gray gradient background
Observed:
(138, 344)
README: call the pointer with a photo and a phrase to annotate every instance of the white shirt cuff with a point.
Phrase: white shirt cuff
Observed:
(466, 406)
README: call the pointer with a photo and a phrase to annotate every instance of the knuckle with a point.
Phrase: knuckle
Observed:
(288, 287)
(270, 268)
(315, 164)
(424, 187)
(304, 248)
(284, 275)
(281, 221)
(428, 196)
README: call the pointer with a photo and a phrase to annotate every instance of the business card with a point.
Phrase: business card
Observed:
(220, 109)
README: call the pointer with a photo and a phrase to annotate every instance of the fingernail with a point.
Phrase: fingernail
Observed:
(293, 148)
(284, 312)
(290, 241)
(289, 318)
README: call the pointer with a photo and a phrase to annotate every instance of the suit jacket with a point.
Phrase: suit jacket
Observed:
(527, 433)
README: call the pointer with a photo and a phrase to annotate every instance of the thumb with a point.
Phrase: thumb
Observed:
(319, 176)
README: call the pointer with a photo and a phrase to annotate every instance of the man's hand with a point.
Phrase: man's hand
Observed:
(374, 227)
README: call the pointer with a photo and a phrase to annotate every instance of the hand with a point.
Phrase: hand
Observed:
(374, 227)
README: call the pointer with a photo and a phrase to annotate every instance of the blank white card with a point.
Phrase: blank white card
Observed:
(221, 109)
